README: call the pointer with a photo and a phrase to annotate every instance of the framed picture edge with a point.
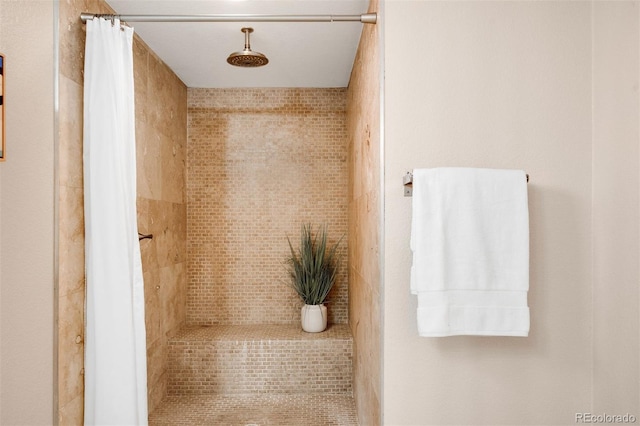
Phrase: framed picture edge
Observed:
(3, 123)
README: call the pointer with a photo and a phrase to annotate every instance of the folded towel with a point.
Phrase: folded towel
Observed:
(470, 243)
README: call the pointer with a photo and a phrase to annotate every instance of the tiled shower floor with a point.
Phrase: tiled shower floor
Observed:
(255, 410)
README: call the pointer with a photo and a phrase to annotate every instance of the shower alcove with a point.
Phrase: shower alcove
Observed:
(259, 164)
(223, 177)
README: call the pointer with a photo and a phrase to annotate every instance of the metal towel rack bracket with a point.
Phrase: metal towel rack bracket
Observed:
(407, 182)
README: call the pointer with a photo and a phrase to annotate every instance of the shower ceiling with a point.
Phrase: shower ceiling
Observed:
(301, 54)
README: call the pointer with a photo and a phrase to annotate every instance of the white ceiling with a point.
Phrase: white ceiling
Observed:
(300, 54)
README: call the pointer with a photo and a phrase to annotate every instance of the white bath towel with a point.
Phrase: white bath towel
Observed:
(470, 243)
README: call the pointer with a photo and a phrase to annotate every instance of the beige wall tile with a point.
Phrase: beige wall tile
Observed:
(71, 244)
(71, 347)
(173, 159)
(156, 364)
(72, 413)
(141, 80)
(261, 162)
(70, 133)
(153, 306)
(157, 392)
(363, 114)
(149, 160)
(172, 297)
(161, 190)
(72, 35)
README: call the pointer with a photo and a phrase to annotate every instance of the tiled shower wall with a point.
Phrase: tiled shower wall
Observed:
(363, 118)
(261, 162)
(161, 151)
(161, 142)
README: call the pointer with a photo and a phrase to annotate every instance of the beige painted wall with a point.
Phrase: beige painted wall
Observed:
(551, 88)
(27, 215)
(616, 223)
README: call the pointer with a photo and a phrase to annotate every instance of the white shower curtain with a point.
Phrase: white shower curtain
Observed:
(115, 340)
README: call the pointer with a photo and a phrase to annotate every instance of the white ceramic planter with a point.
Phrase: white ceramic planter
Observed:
(314, 318)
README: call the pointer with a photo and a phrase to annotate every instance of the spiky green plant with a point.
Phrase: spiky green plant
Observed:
(313, 268)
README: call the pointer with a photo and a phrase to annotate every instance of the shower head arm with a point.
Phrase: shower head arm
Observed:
(247, 31)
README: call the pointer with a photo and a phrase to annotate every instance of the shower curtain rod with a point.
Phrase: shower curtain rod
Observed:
(367, 18)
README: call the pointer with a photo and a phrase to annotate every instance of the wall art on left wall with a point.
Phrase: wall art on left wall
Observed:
(2, 138)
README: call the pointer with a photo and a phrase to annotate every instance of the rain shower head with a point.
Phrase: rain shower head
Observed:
(247, 57)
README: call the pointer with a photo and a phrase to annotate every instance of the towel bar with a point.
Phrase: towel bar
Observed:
(407, 182)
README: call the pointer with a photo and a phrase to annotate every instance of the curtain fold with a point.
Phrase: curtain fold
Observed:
(115, 340)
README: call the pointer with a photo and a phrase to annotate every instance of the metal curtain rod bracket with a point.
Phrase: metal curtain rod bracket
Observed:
(367, 18)
(407, 182)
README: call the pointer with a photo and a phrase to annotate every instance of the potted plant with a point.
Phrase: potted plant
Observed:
(313, 269)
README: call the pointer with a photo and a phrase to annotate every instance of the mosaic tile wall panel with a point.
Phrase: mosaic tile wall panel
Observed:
(260, 163)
